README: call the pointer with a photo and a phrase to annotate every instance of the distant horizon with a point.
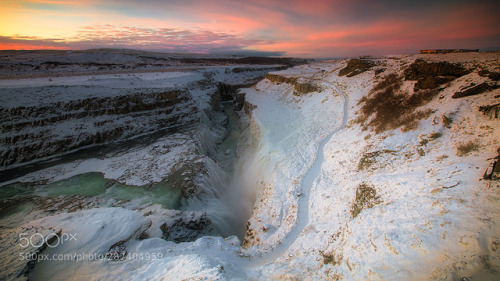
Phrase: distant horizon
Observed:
(294, 28)
(243, 53)
(218, 55)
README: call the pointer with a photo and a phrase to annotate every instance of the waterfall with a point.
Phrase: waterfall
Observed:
(227, 195)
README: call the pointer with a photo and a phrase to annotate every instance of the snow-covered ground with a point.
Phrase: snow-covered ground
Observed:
(334, 201)
(432, 218)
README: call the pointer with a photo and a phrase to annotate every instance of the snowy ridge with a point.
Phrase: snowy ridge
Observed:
(427, 215)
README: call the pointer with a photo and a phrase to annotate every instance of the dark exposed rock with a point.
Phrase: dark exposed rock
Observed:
(281, 79)
(431, 82)
(215, 100)
(239, 101)
(228, 91)
(421, 69)
(493, 170)
(380, 70)
(305, 88)
(184, 177)
(493, 111)
(355, 67)
(495, 76)
(489, 171)
(369, 158)
(432, 75)
(476, 90)
(187, 226)
(118, 251)
(248, 107)
(496, 171)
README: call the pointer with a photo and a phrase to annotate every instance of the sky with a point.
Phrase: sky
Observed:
(298, 28)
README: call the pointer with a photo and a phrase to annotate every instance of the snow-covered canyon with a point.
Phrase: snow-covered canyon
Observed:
(368, 169)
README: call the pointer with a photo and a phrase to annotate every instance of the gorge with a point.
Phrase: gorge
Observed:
(236, 171)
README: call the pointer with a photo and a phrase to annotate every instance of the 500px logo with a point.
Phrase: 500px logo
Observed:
(52, 240)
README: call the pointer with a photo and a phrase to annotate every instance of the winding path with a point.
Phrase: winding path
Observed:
(306, 185)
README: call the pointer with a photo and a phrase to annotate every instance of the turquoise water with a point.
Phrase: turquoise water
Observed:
(159, 193)
(15, 190)
(95, 185)
(90, 184)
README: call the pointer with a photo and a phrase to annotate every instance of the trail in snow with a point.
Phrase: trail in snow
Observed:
(306, 185)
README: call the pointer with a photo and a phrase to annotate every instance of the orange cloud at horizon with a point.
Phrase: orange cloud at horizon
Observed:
(13, 46)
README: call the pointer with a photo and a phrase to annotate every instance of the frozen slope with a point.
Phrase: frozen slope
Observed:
(304, 196)
(432, 216)
(290, 129)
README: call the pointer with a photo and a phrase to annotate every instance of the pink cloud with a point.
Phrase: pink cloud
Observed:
(298, 27)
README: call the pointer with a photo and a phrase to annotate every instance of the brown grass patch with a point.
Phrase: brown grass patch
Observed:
(465, 148)
(331, 258)
(388, 108)
(435, 135)
(366, 197)
(432, 136)
(447, 120)
(369, 158)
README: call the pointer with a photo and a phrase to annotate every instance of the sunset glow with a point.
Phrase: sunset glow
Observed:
(325, 28)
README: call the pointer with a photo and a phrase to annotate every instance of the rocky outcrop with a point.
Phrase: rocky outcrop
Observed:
(248, 107)
(239, 101)
(187, 226)
(430, 75)
(495, 76)
(493, 111)
(305, 88)
(493, 170)
(356, 66)
(300, 86)
(475, 90)
(185, 177)
(228, 92)
(277, 78)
